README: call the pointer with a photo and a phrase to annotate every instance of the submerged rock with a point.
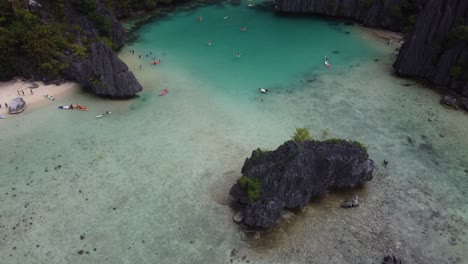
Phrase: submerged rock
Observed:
(293, 174)
(449, 100)
(16, 106)
(391, 259)
(351, 202)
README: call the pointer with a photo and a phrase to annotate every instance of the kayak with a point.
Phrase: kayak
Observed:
(163, 92)
(50, 97)
(64, 107)
(80, 107)
(103, 115)
(2, 117)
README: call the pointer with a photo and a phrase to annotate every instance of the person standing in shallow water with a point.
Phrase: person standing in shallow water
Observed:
(209, 42)
(238, 55)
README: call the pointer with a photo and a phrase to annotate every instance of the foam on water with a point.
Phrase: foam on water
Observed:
(150, 183)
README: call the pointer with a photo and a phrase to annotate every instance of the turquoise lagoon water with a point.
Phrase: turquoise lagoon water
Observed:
(150, 183)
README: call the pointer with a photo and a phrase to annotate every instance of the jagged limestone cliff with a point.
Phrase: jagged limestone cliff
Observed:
(46, 40)
(389, 14)
(437, 49)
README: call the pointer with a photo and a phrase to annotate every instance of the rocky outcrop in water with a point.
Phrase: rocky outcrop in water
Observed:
(105, 74)
(293, 174)
(16, 106)
(438, 47)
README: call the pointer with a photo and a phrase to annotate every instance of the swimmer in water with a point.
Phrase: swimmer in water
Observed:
(200, 18)
(225, 17)
(238, 55)
(326, 58)
(209, 42)
(243, 29)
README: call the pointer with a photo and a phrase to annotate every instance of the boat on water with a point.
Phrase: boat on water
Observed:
(80, 107)
(50, 97)
(163, 92)
(103, 115)
(65, 107)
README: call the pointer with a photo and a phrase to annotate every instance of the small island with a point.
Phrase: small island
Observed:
(300, 169)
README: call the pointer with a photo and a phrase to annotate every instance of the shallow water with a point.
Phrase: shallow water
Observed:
(149, 184)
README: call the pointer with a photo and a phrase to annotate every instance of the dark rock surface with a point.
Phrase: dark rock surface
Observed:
(464, 103)
(426, 52)
(380, 14)
(105, 74)
(296, 172)
(16, 106)
(391, 259)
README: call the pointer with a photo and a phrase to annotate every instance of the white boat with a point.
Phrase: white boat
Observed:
(64, 107)
(2, 117)
(50, 97)
(103, 115)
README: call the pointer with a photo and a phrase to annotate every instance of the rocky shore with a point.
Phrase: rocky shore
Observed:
(436, 46)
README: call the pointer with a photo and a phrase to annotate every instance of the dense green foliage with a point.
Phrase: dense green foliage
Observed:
(38, 41)
(28, 45)
(251, 187)
(301, 135)
(458, 34)
(406, 13)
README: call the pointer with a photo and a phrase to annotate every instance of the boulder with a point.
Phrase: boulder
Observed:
(351, 202)
(449, 100)
(291, 175)
(16, 106)
(238, 217)
(105, 74)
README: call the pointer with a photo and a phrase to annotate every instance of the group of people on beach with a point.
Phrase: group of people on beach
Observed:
(22, 91)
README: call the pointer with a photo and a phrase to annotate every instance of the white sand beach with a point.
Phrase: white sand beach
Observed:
(9, 90)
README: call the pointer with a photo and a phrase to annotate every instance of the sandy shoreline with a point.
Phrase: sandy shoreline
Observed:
(395, 38)
(9, 90)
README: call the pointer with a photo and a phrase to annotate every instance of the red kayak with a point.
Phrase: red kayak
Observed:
(163, 92)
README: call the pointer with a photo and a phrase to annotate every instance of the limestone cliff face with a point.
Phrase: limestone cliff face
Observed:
(105, 74)
(427, 54)
(383, 14)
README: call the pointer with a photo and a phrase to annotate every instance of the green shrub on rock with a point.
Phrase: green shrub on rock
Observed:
(251, 187)
(301, 135)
